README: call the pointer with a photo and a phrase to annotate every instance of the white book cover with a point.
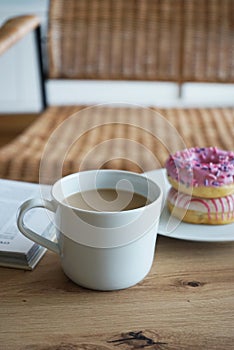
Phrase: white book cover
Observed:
(15, 248)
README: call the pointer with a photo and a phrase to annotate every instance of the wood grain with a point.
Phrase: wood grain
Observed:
(186, 302)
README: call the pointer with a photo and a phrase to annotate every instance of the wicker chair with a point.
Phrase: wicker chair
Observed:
(179, 41)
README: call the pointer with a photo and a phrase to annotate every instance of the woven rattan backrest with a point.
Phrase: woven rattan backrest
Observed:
(171, 40)
(114, 39)
(208, 40)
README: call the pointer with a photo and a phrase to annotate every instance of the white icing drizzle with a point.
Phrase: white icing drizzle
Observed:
(214, 205)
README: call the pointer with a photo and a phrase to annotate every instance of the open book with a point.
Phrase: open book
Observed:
(15, 249)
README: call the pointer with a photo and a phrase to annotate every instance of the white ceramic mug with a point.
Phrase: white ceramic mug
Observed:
(101, 250)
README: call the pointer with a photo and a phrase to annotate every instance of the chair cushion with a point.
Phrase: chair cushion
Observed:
(68, 139)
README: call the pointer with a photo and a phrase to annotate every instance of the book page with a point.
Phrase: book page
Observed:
(12, 195)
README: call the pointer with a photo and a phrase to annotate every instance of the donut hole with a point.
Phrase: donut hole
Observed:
(207, 159)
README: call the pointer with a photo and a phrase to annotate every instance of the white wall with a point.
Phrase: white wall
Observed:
(144, 93)
(19, 88)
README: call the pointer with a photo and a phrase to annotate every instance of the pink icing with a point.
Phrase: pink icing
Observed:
(216, 207)
(219, 206)
(196, 166)
(200, 201)
(222, 205)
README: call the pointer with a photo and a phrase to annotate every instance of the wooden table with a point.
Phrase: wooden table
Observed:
(186, 302)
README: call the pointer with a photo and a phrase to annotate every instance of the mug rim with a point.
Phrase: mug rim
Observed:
(106, 212)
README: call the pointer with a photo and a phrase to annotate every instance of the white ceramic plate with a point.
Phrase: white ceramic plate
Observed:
(172, 227)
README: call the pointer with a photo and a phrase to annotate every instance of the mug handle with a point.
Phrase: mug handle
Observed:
(27, 232)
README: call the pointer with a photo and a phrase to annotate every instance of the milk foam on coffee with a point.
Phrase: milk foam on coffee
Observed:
(107, 200)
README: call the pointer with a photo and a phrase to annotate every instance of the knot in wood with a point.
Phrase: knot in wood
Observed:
(194, 284)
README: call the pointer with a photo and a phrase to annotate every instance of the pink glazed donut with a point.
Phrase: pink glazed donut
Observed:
(202, 172)
(213, 211)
